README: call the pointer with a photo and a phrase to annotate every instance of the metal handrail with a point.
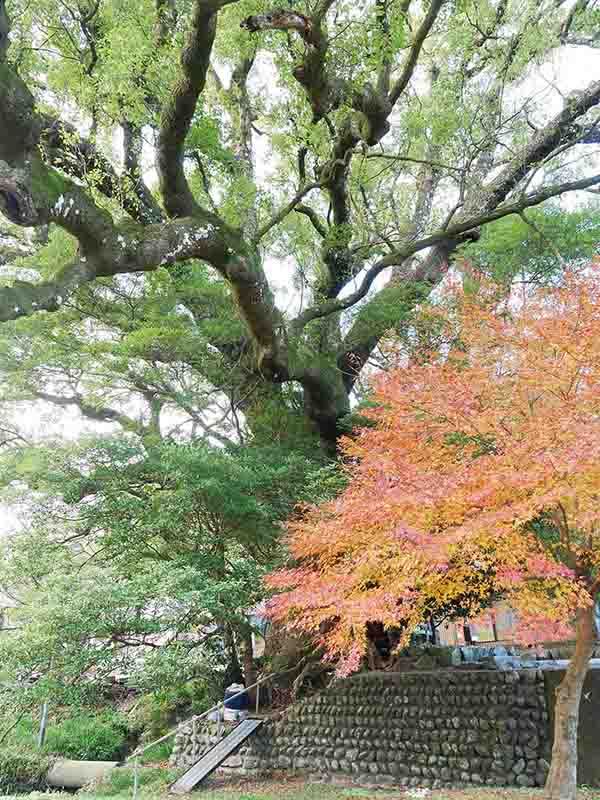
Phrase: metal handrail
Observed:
(221, 704)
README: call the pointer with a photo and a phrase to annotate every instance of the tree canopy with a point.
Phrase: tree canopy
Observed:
(194, 159)
(140, 562)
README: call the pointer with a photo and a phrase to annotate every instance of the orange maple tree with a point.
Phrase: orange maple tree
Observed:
(484, 455)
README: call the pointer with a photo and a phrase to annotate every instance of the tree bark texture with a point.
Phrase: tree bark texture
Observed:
(249, 665)
(562, 778)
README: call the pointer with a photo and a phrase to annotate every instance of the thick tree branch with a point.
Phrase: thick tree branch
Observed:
(413, 57)
(79, 158)
(560, 130)
(177, 115)
(323, 93)
(280, 19)
(96, 413)
(315, 219)
(382, 9)
(120, 251)
(21, 126)
(146, 249)
(31, 193)
(35, 195)
(23, 298)
(483, 203)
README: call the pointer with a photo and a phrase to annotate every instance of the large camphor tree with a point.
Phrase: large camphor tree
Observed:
(212, 151)
(214, 211)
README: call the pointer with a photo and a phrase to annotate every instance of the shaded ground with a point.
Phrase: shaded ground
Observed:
(295, 789)
(287, 789)
(284, 788)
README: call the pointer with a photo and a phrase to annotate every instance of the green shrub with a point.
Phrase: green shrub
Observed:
(23, 735)
(90, 738)
(22, 770)
(155, 714)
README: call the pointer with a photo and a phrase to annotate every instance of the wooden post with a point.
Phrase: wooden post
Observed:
(257, 697)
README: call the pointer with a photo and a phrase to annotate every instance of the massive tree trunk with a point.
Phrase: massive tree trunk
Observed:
(233, 671)
(562, 778)
(249, 665)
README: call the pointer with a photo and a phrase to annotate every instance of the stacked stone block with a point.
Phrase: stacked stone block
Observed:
(428, 729)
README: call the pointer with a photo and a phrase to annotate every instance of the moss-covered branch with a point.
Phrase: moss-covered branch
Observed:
(178, 113)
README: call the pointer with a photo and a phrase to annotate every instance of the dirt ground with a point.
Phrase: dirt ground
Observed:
(295, 789)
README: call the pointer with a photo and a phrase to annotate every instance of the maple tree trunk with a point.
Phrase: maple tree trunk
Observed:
(562, 778)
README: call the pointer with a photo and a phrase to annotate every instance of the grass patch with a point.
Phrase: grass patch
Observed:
(99, 737)
(22, 769)
(159, 754)
(89, 737)
(24, 734)
(151, 781)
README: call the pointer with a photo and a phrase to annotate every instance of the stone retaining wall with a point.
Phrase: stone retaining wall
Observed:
(429, 729)
(196, 737)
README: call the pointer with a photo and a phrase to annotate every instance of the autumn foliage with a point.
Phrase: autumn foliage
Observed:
(485, 455)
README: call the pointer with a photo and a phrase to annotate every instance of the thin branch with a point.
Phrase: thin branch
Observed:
(408, 159)
(283, 212)
(450, 233)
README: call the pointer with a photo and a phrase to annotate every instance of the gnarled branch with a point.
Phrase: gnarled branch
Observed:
(177, 116)
(78, 157)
